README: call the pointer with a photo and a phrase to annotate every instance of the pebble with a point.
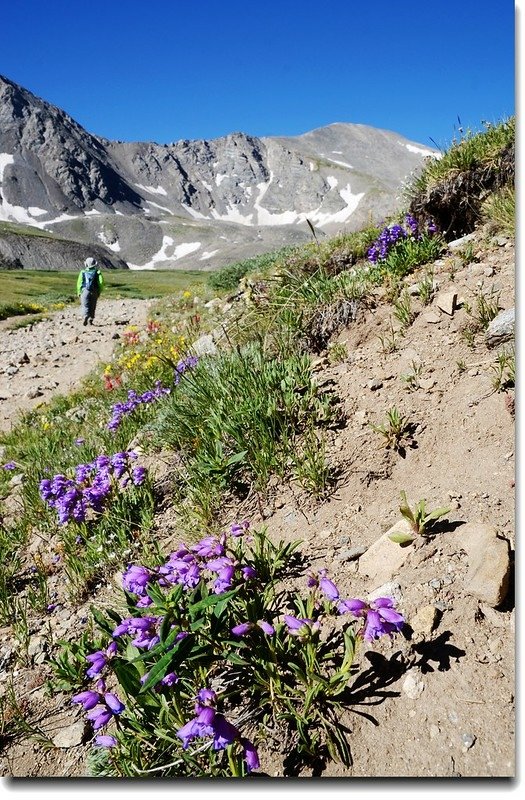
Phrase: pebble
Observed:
(413, 686)
(375, 384)
(467, 740)
(434, 731)
(350, 553)
(390, 589)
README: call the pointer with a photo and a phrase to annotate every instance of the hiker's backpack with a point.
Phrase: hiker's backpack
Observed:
(90, 281)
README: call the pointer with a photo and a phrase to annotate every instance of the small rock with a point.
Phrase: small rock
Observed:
(434, 731)
(116, 335)
(34, 393)
(446, 302)
(457, 244)
(425, 620)
(390, 589)
(495, 618)
(488, 574)
(488, 272)
(204, 346)
(350, 553)
(431, 318)
(473, 372)
(427, 384)
(467, 740)
(413, 686)
(71, 736)
(501, 328)
(453, 717)
(375, 384)
(384, 558)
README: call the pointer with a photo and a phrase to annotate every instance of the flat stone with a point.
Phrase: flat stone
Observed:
(446, 301)
(427, 384)
(71, 736)
(350, 553)
(501, 328)
(431, 318)
(457, 244)
(375, 384)
(384, 558)
(488, 574)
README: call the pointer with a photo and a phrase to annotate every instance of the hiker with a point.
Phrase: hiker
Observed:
(89, 285)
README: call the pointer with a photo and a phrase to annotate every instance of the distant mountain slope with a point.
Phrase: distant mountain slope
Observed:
(193, 204)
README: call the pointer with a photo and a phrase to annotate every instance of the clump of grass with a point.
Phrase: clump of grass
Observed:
(396, 431)
(451, 189)
(499, 210)
(504, 371)
(234, 421)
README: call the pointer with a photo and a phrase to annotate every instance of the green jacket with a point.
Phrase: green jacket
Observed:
(80, 279)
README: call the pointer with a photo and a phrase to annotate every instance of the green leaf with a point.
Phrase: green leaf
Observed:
(101, 620)
(211, 600)
(236, 458)
(233, 658)
(437, 513)
(168, 662)
(401, 538)
(127, 676)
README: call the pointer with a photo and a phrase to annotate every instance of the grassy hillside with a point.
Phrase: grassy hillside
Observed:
(227, 641)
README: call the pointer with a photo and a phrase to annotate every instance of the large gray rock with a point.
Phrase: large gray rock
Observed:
(488, 573)
(501, 329)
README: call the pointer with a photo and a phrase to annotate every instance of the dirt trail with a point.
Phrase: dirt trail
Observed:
(52, 356)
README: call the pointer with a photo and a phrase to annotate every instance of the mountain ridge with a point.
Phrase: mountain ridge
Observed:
(192, 203)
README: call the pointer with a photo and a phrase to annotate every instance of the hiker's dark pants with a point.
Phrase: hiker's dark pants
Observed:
(88, 303)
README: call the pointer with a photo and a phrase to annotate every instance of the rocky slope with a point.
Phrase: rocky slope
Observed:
(191, 204)
(439, 701)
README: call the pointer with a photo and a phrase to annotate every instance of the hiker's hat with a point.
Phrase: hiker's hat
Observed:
(91, 262)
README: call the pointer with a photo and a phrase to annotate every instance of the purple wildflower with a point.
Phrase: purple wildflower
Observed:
(135, 579)
(87, 699)
(170, 679)
(99, 716)
(9, 466)
(98, 661)
(239, 528)
(103, 740)
(208, 547)
(328, 587)
(113, 703)
(251, 757)
(379, 616)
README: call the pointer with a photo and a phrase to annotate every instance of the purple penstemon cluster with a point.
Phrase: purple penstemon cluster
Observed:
(92, 485)
(379, 616)
(208, 560)
(120, 410)
(208, 722)
(392, 234)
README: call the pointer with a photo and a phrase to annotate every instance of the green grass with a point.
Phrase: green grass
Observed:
(474, 150)
(33, 291)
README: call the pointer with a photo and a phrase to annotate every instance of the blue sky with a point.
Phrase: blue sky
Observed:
(164, 70)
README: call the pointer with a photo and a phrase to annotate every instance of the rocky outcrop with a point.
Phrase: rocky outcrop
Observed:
(50, 253)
